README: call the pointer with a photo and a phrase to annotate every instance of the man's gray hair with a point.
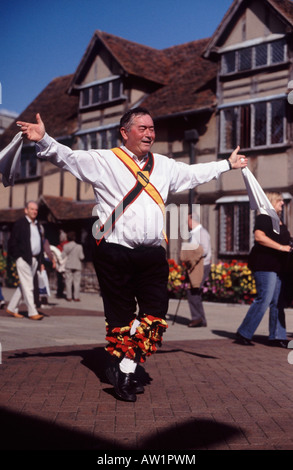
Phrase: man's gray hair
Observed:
(31, 201)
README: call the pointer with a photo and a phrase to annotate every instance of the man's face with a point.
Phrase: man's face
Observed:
(141, 135)
(31, 211)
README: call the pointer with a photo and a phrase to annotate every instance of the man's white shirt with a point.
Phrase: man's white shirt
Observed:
(143, 221)
(35, 237)
(202, 237)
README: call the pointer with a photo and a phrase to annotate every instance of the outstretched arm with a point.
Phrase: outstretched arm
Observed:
(82, 164)
(33, 132)
(236, 160)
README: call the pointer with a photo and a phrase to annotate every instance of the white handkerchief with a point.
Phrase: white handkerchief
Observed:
(10, 160)
(258, 199)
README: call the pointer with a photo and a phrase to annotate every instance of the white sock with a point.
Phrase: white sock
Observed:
(135, 324)
(127, 366)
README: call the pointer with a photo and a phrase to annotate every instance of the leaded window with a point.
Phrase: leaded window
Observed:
(250, 58)
(235, 222)
(103, 139)
(100, 93)
(253, 125)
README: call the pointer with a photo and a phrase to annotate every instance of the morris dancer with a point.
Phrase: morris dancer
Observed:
(131, 186)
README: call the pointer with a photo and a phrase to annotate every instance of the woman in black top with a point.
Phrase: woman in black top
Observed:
(266, 261)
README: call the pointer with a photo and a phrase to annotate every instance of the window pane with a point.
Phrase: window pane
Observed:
(85, 97)
(113, 137)
(234, 228)
(277, 125)
(116, 87)
(103, 139)
(104, 92)
(83, 142)
(245, 126)
(278, 51)
(260, 124)
(229, 129)
(244, 58)
(96, 94)
(23, 164)
(243, 227)
(228, 62)
(32, 166)
(93, 140)
(229, 226)
(28, 166)
(261, 55)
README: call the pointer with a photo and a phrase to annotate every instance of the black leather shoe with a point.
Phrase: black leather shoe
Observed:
(137, 387)
(122, 383)
(279, 343)
(244, 341)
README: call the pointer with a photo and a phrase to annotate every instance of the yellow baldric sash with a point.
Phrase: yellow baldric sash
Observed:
(142, 184)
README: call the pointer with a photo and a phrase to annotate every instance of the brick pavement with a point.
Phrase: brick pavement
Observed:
(201, 395)
(207, 393)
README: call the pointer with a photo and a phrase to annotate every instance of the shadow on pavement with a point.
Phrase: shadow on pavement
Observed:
(24, 432)
(257, 339)
(173, 318)
(95, 359)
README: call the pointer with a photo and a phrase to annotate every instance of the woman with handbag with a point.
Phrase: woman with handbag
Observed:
(267, 261)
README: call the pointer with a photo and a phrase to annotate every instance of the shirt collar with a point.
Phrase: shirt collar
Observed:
(30, 220)
(133, 156)
(196, 229)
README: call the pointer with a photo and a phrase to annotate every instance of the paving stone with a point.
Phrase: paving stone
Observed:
(201, 394)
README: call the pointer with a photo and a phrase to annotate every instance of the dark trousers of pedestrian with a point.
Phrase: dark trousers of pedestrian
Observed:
(194, 297)
(60, 285)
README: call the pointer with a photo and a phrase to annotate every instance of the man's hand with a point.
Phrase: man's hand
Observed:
(237, 161)
(34, 132)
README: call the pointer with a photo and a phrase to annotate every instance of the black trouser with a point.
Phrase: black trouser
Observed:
(130, 277)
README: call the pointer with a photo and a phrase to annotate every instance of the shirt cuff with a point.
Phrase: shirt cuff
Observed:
(43, 144)
(224, 165)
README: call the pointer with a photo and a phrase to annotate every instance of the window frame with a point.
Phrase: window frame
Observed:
(244, 133)
(96, 138)
(224, 226)
(236, 54)
(101, 92)
(24, 172)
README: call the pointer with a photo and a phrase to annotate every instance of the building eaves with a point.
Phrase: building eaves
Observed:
(137, 59)
(64, 209)
(134, 59)
(57, 109)
(9, 216)
(282, 8)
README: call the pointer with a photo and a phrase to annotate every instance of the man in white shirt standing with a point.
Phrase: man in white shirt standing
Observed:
(200, 236)
(25, 246)
(131, 186)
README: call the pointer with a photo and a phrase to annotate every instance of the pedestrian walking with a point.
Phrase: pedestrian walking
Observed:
(73, 255)
(25, 246)
(200, 236)
(267, 261)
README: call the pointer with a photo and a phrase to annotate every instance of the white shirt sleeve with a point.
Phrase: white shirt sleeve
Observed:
(83, 164)
(186, 176)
